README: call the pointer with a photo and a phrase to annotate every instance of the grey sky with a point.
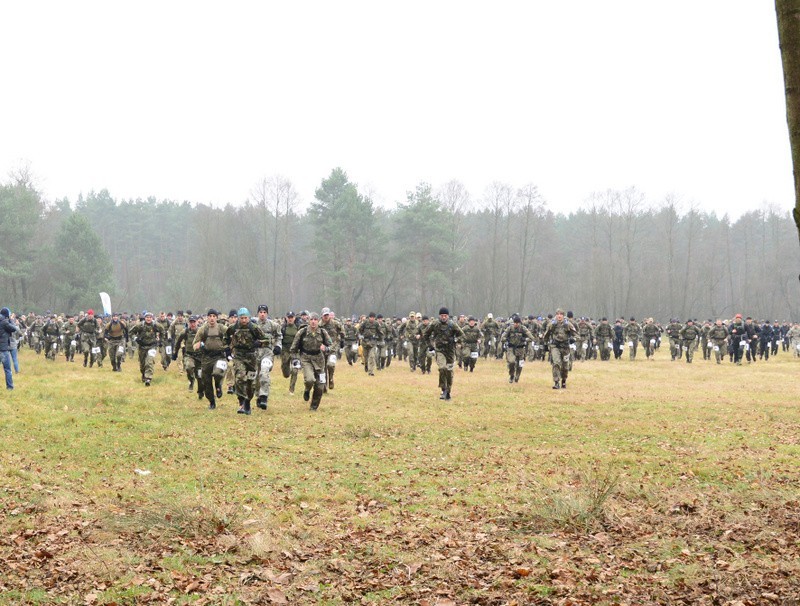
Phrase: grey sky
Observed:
(197, 101)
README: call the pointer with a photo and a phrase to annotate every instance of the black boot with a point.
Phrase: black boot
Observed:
(241, 410)
(212, 404)
(563, 383)
(557, 385)
(261, 402)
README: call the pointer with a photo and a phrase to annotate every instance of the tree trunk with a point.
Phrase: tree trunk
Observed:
(789, 37)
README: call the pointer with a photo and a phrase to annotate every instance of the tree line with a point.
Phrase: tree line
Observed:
(505, 251)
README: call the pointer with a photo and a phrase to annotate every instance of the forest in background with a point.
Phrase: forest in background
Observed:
(506, 251)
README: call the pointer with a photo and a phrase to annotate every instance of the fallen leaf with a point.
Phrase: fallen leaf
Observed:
(276, 596)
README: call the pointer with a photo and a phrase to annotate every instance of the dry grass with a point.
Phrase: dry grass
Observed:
(645, 482)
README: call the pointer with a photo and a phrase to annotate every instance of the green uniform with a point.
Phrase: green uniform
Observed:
(718, 336)
(408, 332)
(650, 333)
(265, 351)
(470, 348)
(491, 332)
(148, 336)
(633, 333)
(584, 340)
(51, 331)
(371, 334)
(515, 339)
(690, 334)
(350, 336)
(245, 340)
(213, 363)
(674, 334)
(191, 358)
(605, 340)
(165, 347)
(287, 369)
(69, 332)
(312, 346)
(558, 335)
(116, 334)
(443, 336)
(335, 331)
(89, 348)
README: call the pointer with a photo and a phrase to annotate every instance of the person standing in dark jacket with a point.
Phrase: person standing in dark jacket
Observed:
(752, 331)
(619, 335)
(765, 343)
(7, 329)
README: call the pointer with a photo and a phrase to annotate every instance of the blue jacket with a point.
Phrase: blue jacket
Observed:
(7, 328)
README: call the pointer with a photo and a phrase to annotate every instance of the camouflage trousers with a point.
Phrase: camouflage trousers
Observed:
(606, 346)
(245, 373)
(515, 359)
(370, 352)
(330, 366)
(719, 349)
(89, 348)
(675, 348)
(147, 360)
(314, 376)
(689, 347)
(50, 347)
(469, 356)
(210, 372)
(445, 360)
(191, 365)
(117, 356)
(351, 351)
(287, 370)
(633, 347)
(166, 355)
(70, 346)
(559, 358)
(264, 376)
(582, 347)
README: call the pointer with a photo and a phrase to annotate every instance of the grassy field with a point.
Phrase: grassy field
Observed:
(643, 483)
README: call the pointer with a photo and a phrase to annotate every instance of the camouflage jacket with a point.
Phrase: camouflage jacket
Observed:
(334, 328)
(718, 333)
(244, 339)
(690, 332)
(443, 335)
(213, 339)
(271, 330)
(372, 332)
(516, 337)
(604, 331)
(116, 331)
(472, 334)
(146, 334)
(308, 341)
(560, 332)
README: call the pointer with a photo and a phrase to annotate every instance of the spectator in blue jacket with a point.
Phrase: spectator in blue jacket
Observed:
(7, 329)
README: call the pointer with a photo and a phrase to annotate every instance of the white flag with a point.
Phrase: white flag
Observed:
(106, 300)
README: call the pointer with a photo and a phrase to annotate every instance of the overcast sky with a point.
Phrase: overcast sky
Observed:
(197, 101)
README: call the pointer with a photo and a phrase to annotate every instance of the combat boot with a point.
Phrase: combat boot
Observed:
(556, 385)
(241, 410)
(563, 383)
(261, 402)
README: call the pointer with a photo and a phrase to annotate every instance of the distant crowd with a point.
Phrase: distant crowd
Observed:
(238, 350)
